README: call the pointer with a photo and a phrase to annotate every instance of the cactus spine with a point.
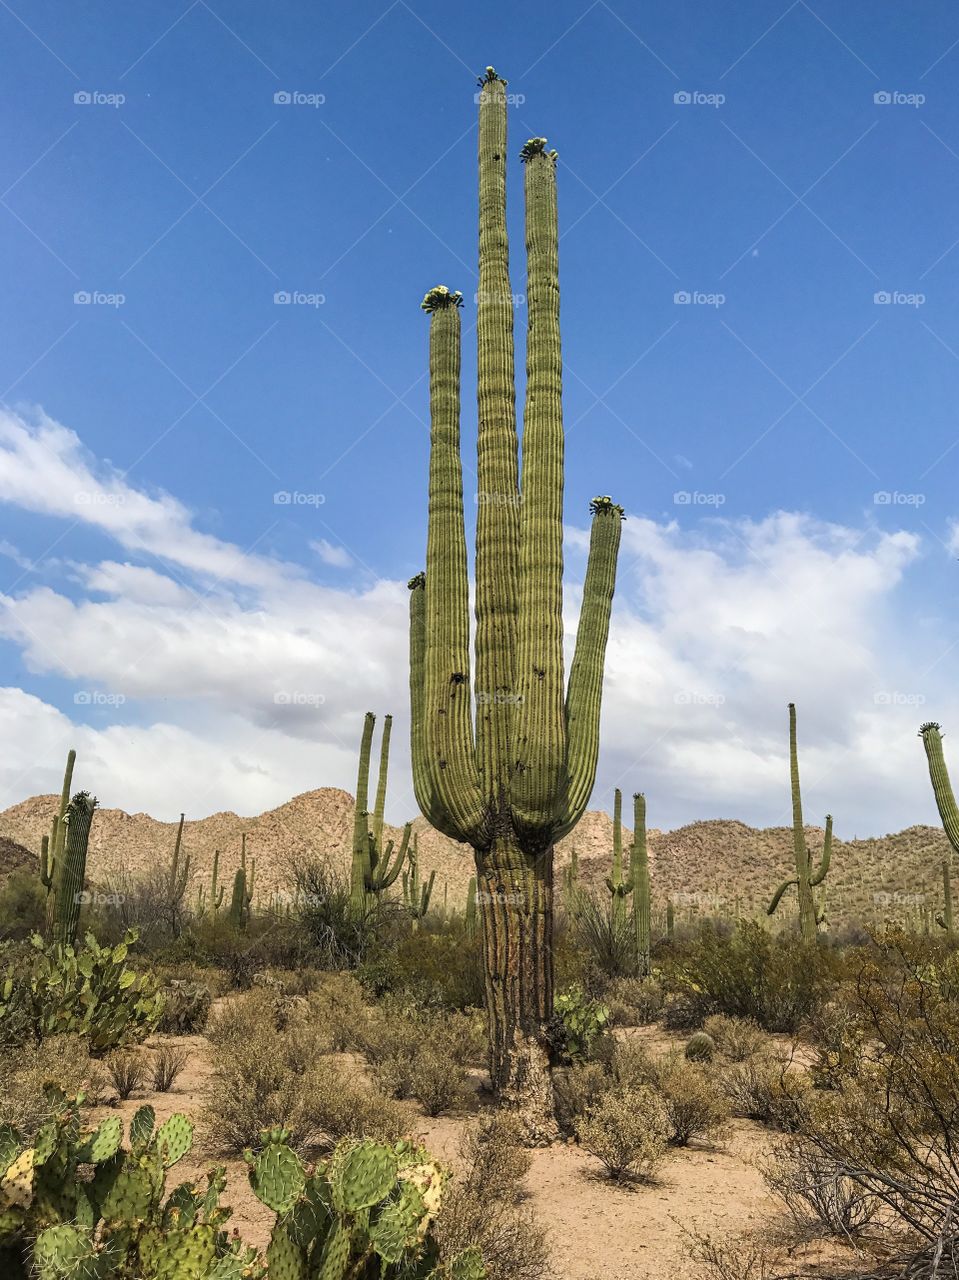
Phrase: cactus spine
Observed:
(639, 875)
(517, 780)
(810, 918)
(374, 868)
(619, 888)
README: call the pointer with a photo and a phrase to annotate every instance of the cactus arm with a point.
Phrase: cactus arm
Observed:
(540, 744)
(59, 834)
(823, 869)
(46, 878)
(380, 804)
(585, 692)
(360, 868)
(497, 519)
(450, 760)
(427, 893)
(422, 786)
(55, 842)
(777, 896)
(386, 873)
(941, 786)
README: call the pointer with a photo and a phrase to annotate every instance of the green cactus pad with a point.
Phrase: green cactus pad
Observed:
(285, 1258)
(103, 1142)
(130, 1195)
(335, 1257)
(278, 1177)
(60, 1251)
(141, 1128)
(361, 1176)
(11, 1144)
(174, 1138)
(466, 1266)
(396, 1226)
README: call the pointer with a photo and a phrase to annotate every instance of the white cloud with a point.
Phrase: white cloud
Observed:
(245, 683)
(336, 557)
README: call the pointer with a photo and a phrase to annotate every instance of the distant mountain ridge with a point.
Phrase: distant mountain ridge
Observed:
(718, 866)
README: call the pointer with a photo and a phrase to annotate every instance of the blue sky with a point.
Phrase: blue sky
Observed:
(155, 599)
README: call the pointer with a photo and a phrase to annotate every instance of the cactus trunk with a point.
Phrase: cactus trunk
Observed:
(519, 778)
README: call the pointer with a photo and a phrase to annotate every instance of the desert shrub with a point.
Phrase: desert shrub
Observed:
(627, 1130)
(62, 1060)
(419, 1053)
(685, 1010)
(439, 964)
(820, 1198)
(186, 1008)
(695, 1107)
(87, 990)
(700, 1047)
(634, 1002)
(166, 1064)
(578, 1022)
(736, 1038)
(729, 1259)
(338, 1003)
(778, 982)
(576, 1089)
(269, 1069)
(127, 1070)
(606, 940)
(767, 1089)
(891, 1123)
(838, 1033)
(340, 934)
(482, 1208)
(23, 902)
(438, 1081)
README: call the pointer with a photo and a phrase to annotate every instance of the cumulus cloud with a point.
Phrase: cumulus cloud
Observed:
(336, 557)
(236, 682)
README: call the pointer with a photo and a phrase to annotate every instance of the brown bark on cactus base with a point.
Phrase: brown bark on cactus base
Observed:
(515, 897)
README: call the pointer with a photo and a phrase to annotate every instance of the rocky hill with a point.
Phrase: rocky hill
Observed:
(713, 867)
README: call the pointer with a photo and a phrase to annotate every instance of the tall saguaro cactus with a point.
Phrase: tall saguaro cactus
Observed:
(71, 867)
(806, 879)
(931, 735)
(52, 845)
(639, 876)
(374, 866)
(519, 778)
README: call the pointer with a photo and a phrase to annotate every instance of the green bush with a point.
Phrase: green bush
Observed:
(186, 1008)
(439, 964)
(778, 982)
(89, 991)
(23, 902)
(627, 1130)
(578, 1022)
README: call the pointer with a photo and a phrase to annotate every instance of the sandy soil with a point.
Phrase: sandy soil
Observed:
(596, 1229)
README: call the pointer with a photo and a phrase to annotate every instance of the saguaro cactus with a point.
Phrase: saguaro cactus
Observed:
(244, 881)
(71, 867)
(619, 888)
(519, 779)
(639, 875)
(416, 897)
(176, 882)
(944, 917)
(374, 867)
(806, 879)
(50, 845)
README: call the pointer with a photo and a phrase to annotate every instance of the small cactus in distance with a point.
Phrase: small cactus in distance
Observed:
(806, 879)
(375, 867)
(931, 735)
(619, 889)
(416, 897)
